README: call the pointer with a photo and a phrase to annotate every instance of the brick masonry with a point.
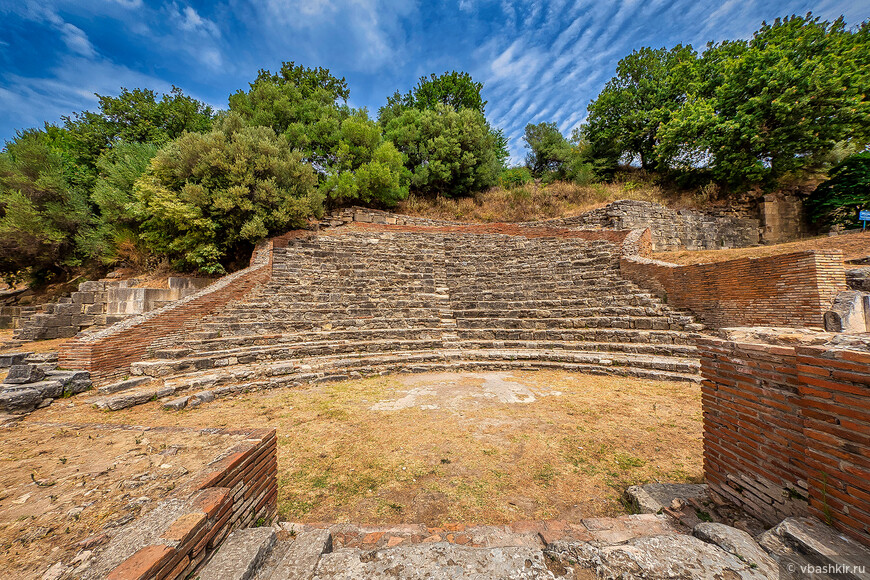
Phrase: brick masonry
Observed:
(787, 431)
(239, 489)
(107, 354)
(785, 290)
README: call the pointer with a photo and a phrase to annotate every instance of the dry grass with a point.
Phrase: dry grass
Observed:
(534, 202)
(60, 485)
(457, 453)
(38, 346)
(854, 246)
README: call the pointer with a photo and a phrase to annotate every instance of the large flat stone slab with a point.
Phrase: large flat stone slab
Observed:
(240, 555)
(665, 557)
(434, 560)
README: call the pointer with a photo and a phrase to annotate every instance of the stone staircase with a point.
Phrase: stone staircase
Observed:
(350, 303)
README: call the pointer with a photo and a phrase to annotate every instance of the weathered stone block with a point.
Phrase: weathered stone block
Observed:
(24, 373)
(13, 358)
(20, 400)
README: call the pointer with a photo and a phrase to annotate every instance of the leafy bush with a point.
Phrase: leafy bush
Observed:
(41, 214)
(448, 152)
(209, 197)
(515, 177)
(366, 168)
(115, 224)
(839, 199)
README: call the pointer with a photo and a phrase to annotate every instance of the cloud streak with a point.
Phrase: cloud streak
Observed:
(539, 60)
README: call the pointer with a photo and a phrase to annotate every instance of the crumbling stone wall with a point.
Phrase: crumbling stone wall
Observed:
(671, 229)
(785, 430)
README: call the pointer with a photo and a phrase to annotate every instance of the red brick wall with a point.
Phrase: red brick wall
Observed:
(108, 354)
(787, 431)
(835, 410)
(236, 491)
(785, 290)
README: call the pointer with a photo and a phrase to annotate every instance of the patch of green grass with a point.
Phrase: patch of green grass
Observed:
(545, 475)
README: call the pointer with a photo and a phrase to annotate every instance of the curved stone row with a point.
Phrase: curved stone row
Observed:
(356, 302)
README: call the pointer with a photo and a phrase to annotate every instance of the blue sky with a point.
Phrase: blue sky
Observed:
(538, 60)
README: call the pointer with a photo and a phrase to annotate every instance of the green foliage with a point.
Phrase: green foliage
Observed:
(548, 148)
(119, 167)
(839, 199)
(757, 110)
(648, 87)
(515, 177)
(455, 89)
(41, 213)
(304, 105)
(366, 168)
(208, 197)
(136, 116)
(552, 157)
(448, 152)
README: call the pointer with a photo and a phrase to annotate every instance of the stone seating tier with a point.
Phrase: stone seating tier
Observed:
(351, 303)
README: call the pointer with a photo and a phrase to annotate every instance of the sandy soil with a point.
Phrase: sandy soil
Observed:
(484, 448)
(854, 247)
(64, 483)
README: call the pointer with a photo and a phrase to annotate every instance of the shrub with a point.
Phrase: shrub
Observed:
(515, 177)
(208, 197)
(839, 199)
(447, 152)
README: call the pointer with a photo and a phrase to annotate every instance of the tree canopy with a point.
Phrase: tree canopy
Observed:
(840, 199)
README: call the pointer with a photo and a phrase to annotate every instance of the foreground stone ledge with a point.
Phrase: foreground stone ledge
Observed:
(179, 535)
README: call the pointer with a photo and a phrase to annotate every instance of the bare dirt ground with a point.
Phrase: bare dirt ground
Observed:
(61, 484)
(854, 246)
(482, 448)
(38, 346)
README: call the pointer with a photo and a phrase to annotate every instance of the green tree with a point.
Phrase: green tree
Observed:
(760, 109)
(119, 167)
(448, 152)
(648, 88)
(847, 191)
(456, 89)
(206, 198)
(548, 148)
(136, 116)
(42, 215)
(306, 106)
(366, 168)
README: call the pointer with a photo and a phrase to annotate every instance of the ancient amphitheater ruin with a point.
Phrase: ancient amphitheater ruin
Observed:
(786, 412)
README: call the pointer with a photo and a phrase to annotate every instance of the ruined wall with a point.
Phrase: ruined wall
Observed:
(786, 431)
(671, 229)
(108, 353)
(785, 290)
(237, 490)
(783, 218)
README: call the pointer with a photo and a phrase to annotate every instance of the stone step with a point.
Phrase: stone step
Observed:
(576, 338)
(204, 386)
(297, 557)
(246, 380)
(240, 555)
(635, 322)
(124, 385)
(315, 355)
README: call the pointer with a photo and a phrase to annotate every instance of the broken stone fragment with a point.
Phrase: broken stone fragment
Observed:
(20, 374)
(20, 400)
